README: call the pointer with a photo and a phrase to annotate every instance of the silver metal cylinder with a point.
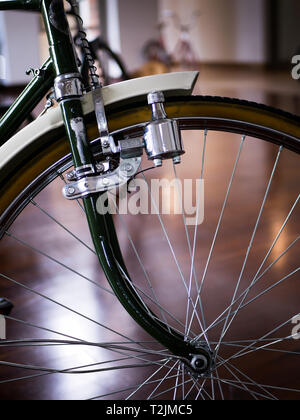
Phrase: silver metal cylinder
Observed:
(162, 135)
(68, 85)
(163, 140)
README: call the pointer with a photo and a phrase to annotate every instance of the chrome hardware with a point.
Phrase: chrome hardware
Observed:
(128, 148)
(50, 102)
(87, 170)
(81, 172)
(162, 135)
(162, 140)
(107, 141)
(108, 145)
(84, 171)
(101, 183)
(71, 176)
(177, 160)
(35, 72)
(101, 167)
(199, 363)
(131, 147)
(158, 163)
(68, 85)
(202, 364)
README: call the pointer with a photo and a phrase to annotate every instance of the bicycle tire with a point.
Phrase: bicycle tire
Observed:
(204, 113)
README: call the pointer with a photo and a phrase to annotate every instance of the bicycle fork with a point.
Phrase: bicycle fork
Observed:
(161, 141)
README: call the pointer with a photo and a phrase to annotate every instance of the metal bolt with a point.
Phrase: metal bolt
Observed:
(177, 160)
(106, 181)
(71, 190)
(105, 144)
(100, 167)
(199, 362)
(129, 167)
(71, 175)
(158, 163)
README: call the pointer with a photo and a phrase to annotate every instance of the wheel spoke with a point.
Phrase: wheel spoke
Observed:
(46, 213)
(220, 385)
(186, 382)
(66, 370)
(234, 384)
(128, 389)
(228, 323)
(219, 224)
(277, 388)
(269, 288)
(193, 386)
(230, 365)
(32, 248)
(64, 307)
(147, 380)
(162, 380)
(247, 390)
(234, 356)
(145, 272)
(49, 370)
(140, 291)
(192, 251)
(200, 390)
(295, 353)
(172, 250)
(265, 347)
(219, 319)
(176, 384)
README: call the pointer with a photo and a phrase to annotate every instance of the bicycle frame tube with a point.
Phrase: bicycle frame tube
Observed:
(27, 101)
(64, 67)
(27, 5)
(35, 90)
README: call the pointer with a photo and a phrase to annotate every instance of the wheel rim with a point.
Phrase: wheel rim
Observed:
(236, 380)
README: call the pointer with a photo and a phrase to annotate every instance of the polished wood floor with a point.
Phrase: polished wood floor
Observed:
(73, 287)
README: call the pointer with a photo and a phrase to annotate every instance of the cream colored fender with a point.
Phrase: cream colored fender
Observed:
(172, 84)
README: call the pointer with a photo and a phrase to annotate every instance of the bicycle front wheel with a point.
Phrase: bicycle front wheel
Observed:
(228, 280)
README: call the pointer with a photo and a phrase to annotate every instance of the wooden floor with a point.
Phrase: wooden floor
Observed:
(74, 289)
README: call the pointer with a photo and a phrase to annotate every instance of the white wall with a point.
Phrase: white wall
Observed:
(19, 38)
(228, 30)
(251, 31)
(130, 24)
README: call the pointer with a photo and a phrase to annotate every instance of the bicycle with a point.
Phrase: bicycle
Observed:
(179, 342)
(184, 53)
(155, 50)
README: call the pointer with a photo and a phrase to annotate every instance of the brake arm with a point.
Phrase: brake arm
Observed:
(87, 186)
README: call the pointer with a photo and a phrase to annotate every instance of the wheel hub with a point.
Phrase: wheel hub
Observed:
(202, 362)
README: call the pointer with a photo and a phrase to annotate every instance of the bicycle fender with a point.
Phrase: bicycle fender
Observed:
(172, 84)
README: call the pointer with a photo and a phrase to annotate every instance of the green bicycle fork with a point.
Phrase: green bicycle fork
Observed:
(102, 227)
